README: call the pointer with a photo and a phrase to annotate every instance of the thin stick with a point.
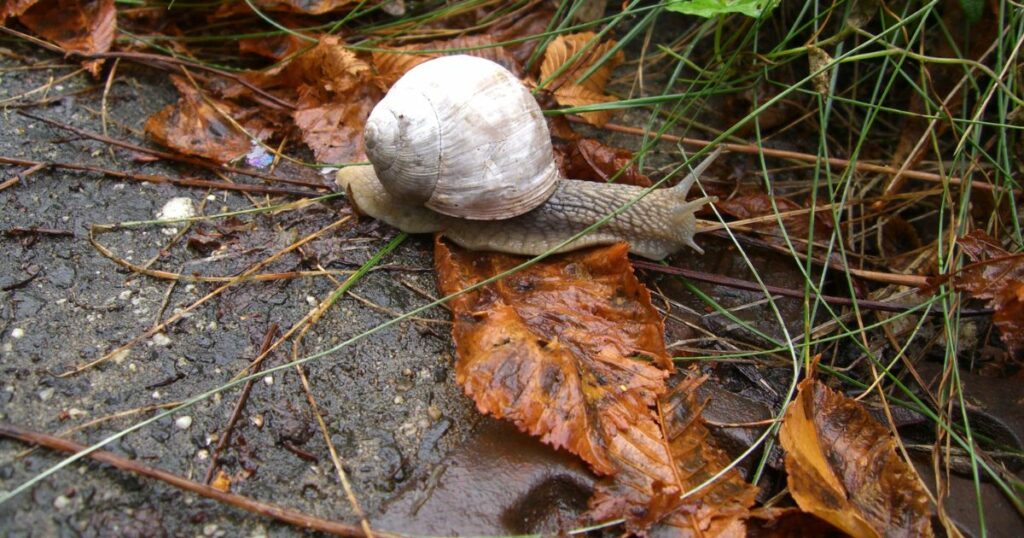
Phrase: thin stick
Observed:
(737, 283)
(168, 155)
(279, 513)
(18, 177)
(803, 157)
(225, 437)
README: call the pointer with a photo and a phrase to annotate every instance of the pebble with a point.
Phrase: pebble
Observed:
(17, 333)
(46, 393)
(183, 423)
(61, 502)
(161, 339)
(177, 208)
(399, 400)
(268, 380)
(434, 412)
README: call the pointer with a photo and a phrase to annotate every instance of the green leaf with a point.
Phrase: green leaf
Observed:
(712, 8)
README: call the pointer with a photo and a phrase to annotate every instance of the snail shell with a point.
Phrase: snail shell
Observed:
(462, 136)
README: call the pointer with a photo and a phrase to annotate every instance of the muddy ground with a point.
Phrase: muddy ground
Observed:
(418, 455)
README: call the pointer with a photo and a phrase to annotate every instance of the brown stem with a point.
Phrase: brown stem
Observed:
(737, 283)
(170, 156)
(280, 513)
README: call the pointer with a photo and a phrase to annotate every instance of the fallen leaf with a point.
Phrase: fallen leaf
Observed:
(391, 64)
(589, 159)
(998, 277)
(652, 476)
(14, 8)
(844, 468)
(571, 350)
(760, 205)
(306, 7)
(84, 26)
(788, 523)
(276, 47)
(222, 482)
(567, 89)
(198, 126)
(334, 90)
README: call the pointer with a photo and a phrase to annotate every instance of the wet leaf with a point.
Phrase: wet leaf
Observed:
(13, 8)
(652, 475)
(199, 126)
(998, 277)
(566, 87)
(587, 158)
(334, 90)
(569, 349)
(760, 205)
(222, 482)
(85, 26)
(843, 467)
(394, 63)
(789, 523)
(276, 47)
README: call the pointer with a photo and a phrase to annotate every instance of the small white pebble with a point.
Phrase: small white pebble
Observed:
(209, 529)
(46, 393)
(17, 333)
(61, 502)
(211, 197)
(311, 300)
(257, 420)
(177, 208)
(161, 339)
(399, 400)
(183, 423)
(203, 454)
(124, 295)
(268, 380)
(156, 395)
(77, 413)
(120, 356)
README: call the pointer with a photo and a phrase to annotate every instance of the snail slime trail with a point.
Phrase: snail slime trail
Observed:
(459, 146)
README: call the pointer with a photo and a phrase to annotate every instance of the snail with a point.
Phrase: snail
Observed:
(459, 146)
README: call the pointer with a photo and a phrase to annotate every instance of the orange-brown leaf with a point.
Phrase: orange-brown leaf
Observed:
(652, 475)
(998, 277)
(277, 47)
(14, 8)
(222, 482)
(843, 467)
(589, 159)
(85, 26)
(198, 126)
(393, 63)
(567, 349)
(568, 90)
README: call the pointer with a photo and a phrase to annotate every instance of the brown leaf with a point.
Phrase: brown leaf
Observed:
(85, 26)
(276, 47)
(998, 277)
(394, 63)
(760, 205)
(14, 8)
(788, 523)
(589, 159)
(334, 91)
(306, 7)
(567, 349)
(651, 476)
(222, 482)
(843, 467)
(569, 92)
(197, 126)
(552, 349)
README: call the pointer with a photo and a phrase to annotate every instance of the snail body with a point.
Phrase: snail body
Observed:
(459, 146)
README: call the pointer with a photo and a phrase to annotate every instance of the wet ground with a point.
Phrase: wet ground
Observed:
(418, 455)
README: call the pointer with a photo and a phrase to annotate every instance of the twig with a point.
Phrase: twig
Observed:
(835, 162)
(149, 178)
(18, 177)
(170, 156)
(225, 437)
(737, 283)
(279, 513)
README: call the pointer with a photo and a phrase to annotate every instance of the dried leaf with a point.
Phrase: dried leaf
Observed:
(760, 205)
(222, 482)
(589, 159)
(843, 467)
(394, 63)
(85, 26)
(552, 349)
(569, 92)
(14, 8)
(568, 349)
(334, 91)
(197, 126)
(277, 47)
(650, 478)
(998, 277)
